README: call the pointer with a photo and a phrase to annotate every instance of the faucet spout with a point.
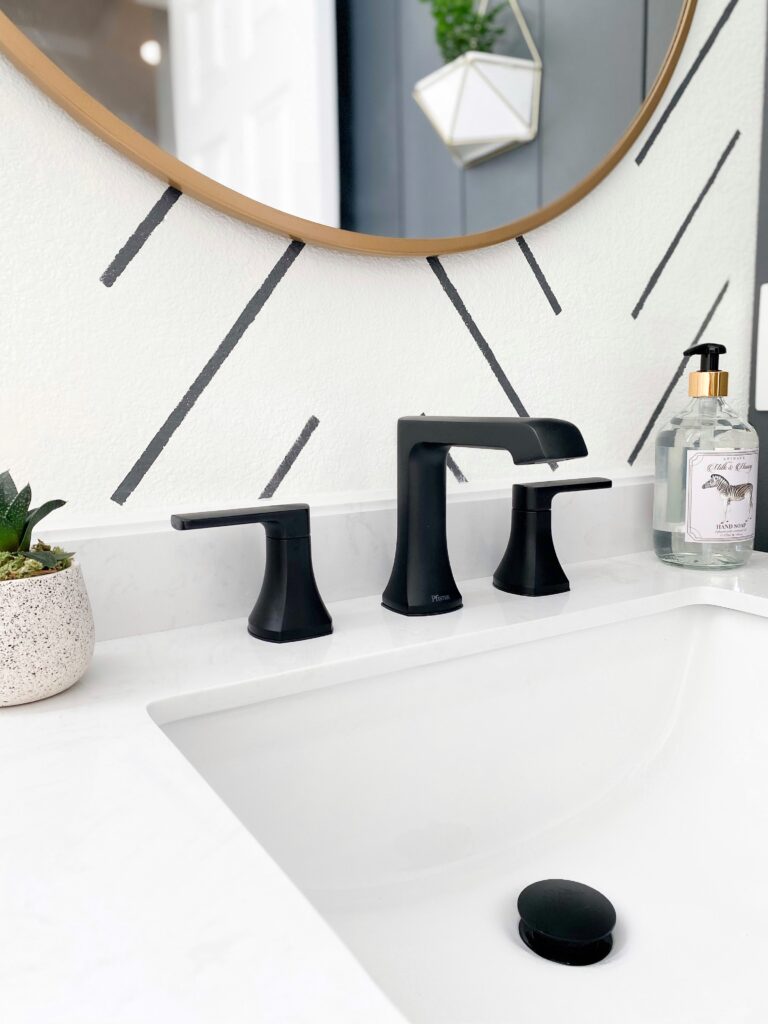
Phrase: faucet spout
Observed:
(421, 582)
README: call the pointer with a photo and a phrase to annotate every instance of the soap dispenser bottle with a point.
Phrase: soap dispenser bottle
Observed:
(706, 476)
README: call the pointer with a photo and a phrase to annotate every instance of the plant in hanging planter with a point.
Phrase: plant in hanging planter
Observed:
(461, 26)
(46, 624)
(18, 557)
(480, 103)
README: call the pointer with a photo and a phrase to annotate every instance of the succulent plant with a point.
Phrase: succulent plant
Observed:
(460, 26)
(17, 521)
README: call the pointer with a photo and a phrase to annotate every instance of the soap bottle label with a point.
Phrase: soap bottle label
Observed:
(720, 495)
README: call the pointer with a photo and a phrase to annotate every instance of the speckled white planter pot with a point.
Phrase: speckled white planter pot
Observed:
(46, 635)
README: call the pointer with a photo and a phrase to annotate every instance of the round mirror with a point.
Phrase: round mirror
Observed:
(431, 125)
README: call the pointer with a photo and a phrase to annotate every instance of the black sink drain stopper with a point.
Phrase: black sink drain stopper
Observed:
(567, 922)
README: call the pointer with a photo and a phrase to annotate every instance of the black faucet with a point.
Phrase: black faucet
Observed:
(422, 582)
(289, 606)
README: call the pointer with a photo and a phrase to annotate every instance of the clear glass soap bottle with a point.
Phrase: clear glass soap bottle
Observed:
(706, 476)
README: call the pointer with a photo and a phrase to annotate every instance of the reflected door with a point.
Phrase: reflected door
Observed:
(255, 99)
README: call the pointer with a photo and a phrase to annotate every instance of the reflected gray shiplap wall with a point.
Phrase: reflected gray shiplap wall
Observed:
(396, 175)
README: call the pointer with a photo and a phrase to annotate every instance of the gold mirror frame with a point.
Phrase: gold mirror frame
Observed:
(23, 53)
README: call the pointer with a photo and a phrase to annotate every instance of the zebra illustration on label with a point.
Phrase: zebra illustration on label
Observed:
(730, 492)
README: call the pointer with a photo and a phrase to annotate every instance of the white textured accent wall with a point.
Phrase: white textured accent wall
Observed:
(90, 373)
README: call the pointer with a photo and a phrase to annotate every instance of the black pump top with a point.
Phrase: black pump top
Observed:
(710, 356)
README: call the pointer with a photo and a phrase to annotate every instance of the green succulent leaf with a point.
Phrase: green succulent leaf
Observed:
(33, 518)
(50, 559)
(12, 519)
(7, 489)
(9, 538)
(16, 514)
(46, 558)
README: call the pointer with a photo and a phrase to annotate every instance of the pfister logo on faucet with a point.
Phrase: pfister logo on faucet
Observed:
(720, 498)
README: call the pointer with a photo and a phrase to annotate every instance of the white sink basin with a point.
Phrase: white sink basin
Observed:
(411, 808)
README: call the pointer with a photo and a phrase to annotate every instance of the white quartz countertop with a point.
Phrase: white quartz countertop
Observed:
(130, 894)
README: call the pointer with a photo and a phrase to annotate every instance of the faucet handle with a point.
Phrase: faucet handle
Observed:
(280, 521)
(289, 606)
(530, 565)
(537, 496)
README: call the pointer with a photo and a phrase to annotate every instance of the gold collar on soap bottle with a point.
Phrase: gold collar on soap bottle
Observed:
(709, 381)
(709, 384)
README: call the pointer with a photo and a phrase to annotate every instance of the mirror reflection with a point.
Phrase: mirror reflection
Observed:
(407, 118)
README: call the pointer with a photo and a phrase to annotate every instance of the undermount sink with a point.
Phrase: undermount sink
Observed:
(411, 808)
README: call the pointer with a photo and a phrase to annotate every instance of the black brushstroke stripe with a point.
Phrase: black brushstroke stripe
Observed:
(454, 468)
(539, 275)
(686, 81)
(654, 278)
(291, 455)
(133, 246)
(148, 457)
(458, 303)
(675, 378)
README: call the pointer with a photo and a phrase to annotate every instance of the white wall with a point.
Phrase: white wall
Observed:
(90, 373)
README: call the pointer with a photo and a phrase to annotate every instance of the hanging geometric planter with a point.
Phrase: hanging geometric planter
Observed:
(482, 104)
